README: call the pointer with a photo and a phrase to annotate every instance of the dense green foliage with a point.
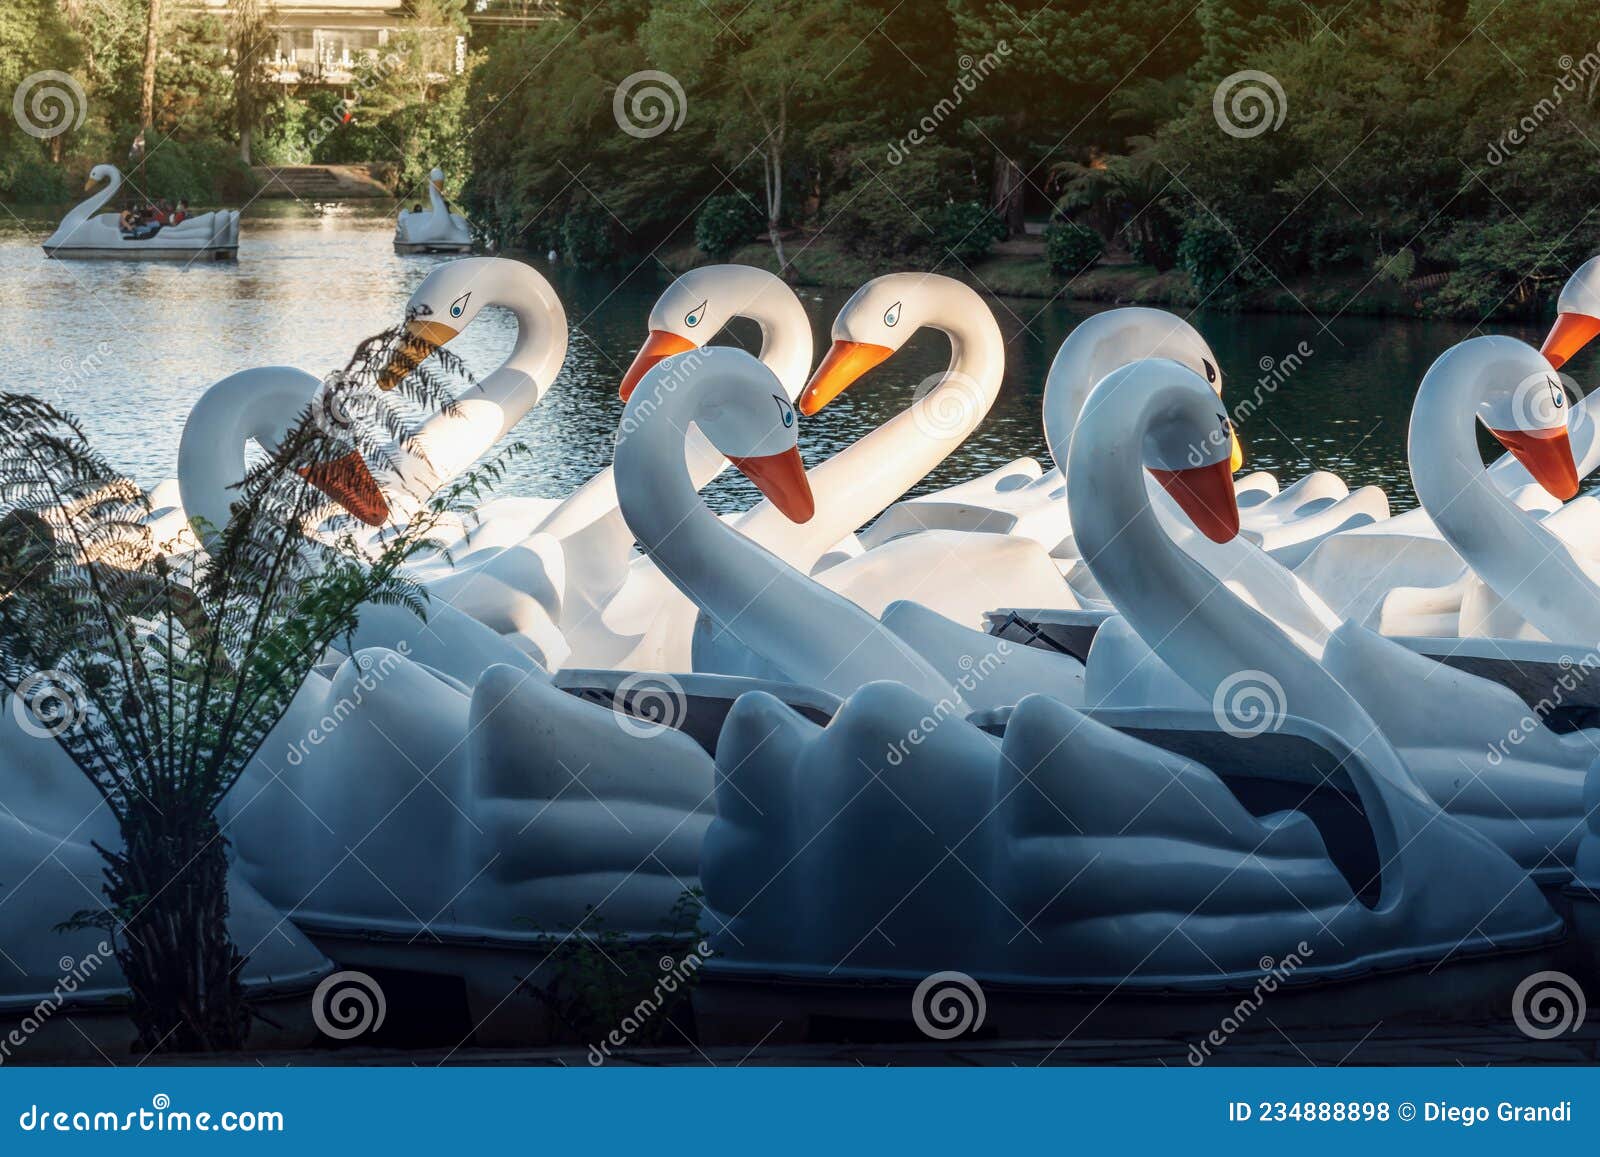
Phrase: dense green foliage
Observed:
(404, 108)
(1457, 132)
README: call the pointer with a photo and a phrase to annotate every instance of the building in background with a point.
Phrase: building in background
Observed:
(323, 42)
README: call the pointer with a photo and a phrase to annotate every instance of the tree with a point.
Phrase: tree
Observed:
(250, 37)
(147, 83)
(161, 668)
(763, 74)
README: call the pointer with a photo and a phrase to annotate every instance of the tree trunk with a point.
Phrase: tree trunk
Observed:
(169, 887)
(1006, 194)
(244, 143)
(147, 85)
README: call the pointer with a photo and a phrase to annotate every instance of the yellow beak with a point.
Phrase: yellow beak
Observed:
(421, 339)
(1236, 455)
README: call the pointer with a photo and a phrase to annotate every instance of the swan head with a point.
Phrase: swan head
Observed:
(1577, 315)
(693, 310)
(100, 173)
(1107, 340)
(741, 408)
(871, 328)
(437, 177)
(1185, 439)
(440, 308)
(1530, 417)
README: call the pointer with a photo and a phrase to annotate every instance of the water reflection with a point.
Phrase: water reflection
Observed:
(130, 346)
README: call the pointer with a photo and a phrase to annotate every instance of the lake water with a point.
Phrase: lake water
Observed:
(129, 346)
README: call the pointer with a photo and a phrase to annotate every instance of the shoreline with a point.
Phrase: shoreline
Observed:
(1018, 269)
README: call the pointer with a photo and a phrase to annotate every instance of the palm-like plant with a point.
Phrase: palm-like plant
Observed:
(161, 670)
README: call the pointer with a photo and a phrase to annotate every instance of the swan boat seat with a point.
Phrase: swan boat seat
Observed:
(701, 702)
(1559, 681)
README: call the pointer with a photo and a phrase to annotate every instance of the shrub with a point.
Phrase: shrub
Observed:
(967, 230)
(727, 222)
(1070, 248)
(586, 237)
(1210, 256)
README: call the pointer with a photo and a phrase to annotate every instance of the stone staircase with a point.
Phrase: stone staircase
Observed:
(323, 182)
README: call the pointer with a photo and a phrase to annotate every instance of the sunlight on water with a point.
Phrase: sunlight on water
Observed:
(128, 347)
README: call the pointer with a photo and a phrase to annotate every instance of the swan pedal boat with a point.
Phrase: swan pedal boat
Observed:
(85, 235)
(436, 230)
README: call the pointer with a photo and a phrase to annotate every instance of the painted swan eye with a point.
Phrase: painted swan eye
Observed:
(1558, 396)
(891, 316)
(1211, 371)
(694, 316)
(785, 410)
(459, 305)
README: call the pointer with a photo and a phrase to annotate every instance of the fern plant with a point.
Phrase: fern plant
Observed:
(160, 668)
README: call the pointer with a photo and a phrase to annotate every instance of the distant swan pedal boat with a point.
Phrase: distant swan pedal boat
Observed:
(82, 234)
(435, 230)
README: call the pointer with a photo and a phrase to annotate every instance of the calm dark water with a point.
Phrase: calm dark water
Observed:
(128, 347)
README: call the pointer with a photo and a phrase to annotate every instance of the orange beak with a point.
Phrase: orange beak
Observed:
(348, 482)
(658, 346)
(422, 338)
(1547, 454)
(846, 361)
(782, 478)
(1207, 496)
(1571, 332)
